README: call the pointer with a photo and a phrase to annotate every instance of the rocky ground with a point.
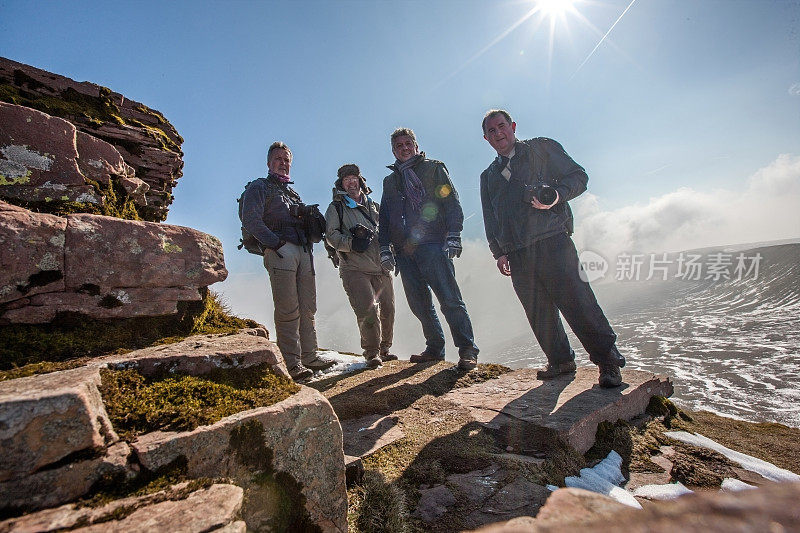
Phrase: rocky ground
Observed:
(434, 462)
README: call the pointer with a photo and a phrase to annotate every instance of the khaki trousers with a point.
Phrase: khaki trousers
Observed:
(294, 295)
(372, 299)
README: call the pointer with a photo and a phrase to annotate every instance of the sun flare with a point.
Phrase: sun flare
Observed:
(554, 8)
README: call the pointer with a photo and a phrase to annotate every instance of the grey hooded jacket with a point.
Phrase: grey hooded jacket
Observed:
(510, 222)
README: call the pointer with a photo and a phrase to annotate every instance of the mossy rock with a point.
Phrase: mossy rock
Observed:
(137, 405)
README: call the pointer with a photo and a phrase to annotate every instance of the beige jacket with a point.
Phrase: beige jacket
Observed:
(341, 239)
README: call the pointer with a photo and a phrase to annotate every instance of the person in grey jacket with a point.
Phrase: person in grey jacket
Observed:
(528, 222)
(269, 213)
(420, 232)
(351, 228)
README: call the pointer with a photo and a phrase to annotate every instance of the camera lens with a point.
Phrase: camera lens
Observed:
(546, 195)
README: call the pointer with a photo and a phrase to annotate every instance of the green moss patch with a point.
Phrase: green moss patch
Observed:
(137, 405)
(73, 336)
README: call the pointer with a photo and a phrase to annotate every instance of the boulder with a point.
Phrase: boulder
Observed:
(142, 136)
(31, 253)
(200, 355)
(530, 415)
(47, 418)
(295, 445)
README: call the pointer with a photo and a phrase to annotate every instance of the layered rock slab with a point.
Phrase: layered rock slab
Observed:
(212, 508)
(98, 266)
(299, 437)
(772, 507)
(142, 136)
(201, 354)
(529, 415)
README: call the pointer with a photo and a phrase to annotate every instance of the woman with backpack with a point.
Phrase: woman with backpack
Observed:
(352, 229)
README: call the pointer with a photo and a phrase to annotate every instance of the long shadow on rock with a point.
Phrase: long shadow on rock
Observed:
(392, 392)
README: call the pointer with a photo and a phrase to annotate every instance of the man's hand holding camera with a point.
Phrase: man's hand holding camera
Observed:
(539, 205)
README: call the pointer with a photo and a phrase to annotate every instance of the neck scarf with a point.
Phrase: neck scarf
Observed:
(282, 179)
(415, 192)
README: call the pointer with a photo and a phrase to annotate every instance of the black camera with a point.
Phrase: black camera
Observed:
(301, 210)
(542, 192)
(362, 236)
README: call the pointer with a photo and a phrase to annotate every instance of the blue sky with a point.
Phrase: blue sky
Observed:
(683, 95)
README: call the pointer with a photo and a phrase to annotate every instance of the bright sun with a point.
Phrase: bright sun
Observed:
(554, 8)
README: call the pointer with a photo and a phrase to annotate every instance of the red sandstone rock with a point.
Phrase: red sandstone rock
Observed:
(772, 507)
(101, 267)
(46, 418)
(31, 253)
(216, 507)
(529, 414)
(201, 354)
(99, 161)
(36, 148)
(110, 253)
(304, 437)
(144, 138)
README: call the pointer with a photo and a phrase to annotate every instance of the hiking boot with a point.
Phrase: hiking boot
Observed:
(425, 357)
(467, 362)
(610, 376)
(374, 362)
(300, 373)
(386, 356)
(559, 369)
(616, 357)
(318, 363)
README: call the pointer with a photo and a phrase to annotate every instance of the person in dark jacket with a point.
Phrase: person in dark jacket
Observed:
(269, 213)
(524, 193)
(420, 233)
(351, 228)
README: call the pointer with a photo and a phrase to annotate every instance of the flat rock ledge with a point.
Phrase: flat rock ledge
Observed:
(201, 354)
(529, 414)
(771, 507)
(216, 508)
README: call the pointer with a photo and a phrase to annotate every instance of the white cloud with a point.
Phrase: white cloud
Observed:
(794, 90)
(764, 209)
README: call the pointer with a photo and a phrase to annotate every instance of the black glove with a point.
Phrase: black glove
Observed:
(362, 236)
(452, 245)
(387, 258)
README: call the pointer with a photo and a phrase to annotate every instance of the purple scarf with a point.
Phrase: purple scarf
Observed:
(415, 192)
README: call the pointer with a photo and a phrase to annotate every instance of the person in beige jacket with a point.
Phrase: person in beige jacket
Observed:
(352, 229)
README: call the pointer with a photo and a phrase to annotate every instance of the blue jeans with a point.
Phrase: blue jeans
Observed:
(428, 268)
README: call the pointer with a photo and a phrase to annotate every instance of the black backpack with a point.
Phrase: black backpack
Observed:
(248, 242)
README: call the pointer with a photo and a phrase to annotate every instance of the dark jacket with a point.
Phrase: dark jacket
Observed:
(439, 215)
(265, 212)
(510, 222)
(339, 236)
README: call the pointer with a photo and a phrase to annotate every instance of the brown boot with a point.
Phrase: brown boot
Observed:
(552, 371)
